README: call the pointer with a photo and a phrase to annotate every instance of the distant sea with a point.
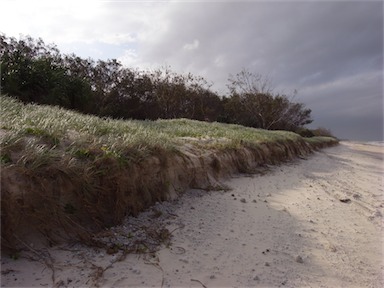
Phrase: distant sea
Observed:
(375, 143)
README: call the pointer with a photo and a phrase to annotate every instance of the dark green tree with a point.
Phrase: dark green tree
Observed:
(36, 72)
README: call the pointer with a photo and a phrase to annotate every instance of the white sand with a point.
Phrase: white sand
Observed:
(287, 228)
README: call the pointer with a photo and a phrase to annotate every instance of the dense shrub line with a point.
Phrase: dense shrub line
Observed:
(35, 72)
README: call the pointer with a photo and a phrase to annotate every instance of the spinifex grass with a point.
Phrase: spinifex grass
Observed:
(58, 127)
(60, 131)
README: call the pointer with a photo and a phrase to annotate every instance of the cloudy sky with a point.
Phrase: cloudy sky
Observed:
(330, 51)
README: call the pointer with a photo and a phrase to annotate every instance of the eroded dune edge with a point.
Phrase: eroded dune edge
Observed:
(60, 201)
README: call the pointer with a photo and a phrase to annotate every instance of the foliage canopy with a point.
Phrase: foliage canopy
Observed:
(35, 72)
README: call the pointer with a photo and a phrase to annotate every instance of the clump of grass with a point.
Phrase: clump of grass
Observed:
(56, 132)
(321, 141)
(53, 125)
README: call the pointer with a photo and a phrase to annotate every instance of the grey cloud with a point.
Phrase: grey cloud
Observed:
(360, 95)
(286, 41)
(356, 128)
(332, 52)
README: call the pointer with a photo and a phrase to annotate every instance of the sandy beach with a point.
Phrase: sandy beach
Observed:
(315, 222)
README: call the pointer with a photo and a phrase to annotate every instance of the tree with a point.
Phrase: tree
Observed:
(246, 82)
(170, 92)
(252, 103)
(36, 72)
(184, 96)
(132, 97)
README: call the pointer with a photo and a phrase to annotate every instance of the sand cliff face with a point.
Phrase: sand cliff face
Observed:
(70, 199)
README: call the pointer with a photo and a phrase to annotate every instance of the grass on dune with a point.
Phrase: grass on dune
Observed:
(321, 140)
(76, 133)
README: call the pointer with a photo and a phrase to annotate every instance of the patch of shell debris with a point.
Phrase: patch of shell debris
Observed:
(146, 232)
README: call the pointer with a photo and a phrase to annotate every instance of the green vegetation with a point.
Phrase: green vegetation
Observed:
(38, 73)
(321, 141)
(56, 130)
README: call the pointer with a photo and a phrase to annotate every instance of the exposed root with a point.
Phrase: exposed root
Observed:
(153, 259)
(199, 282)
(41, 256)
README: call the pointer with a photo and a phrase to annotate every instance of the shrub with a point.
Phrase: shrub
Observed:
(321, 131)
(304, 132)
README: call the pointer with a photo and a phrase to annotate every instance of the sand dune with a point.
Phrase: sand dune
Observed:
(315, 222)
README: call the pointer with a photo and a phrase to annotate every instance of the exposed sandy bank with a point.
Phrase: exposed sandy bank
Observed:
(285, 228)
(66, 198)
